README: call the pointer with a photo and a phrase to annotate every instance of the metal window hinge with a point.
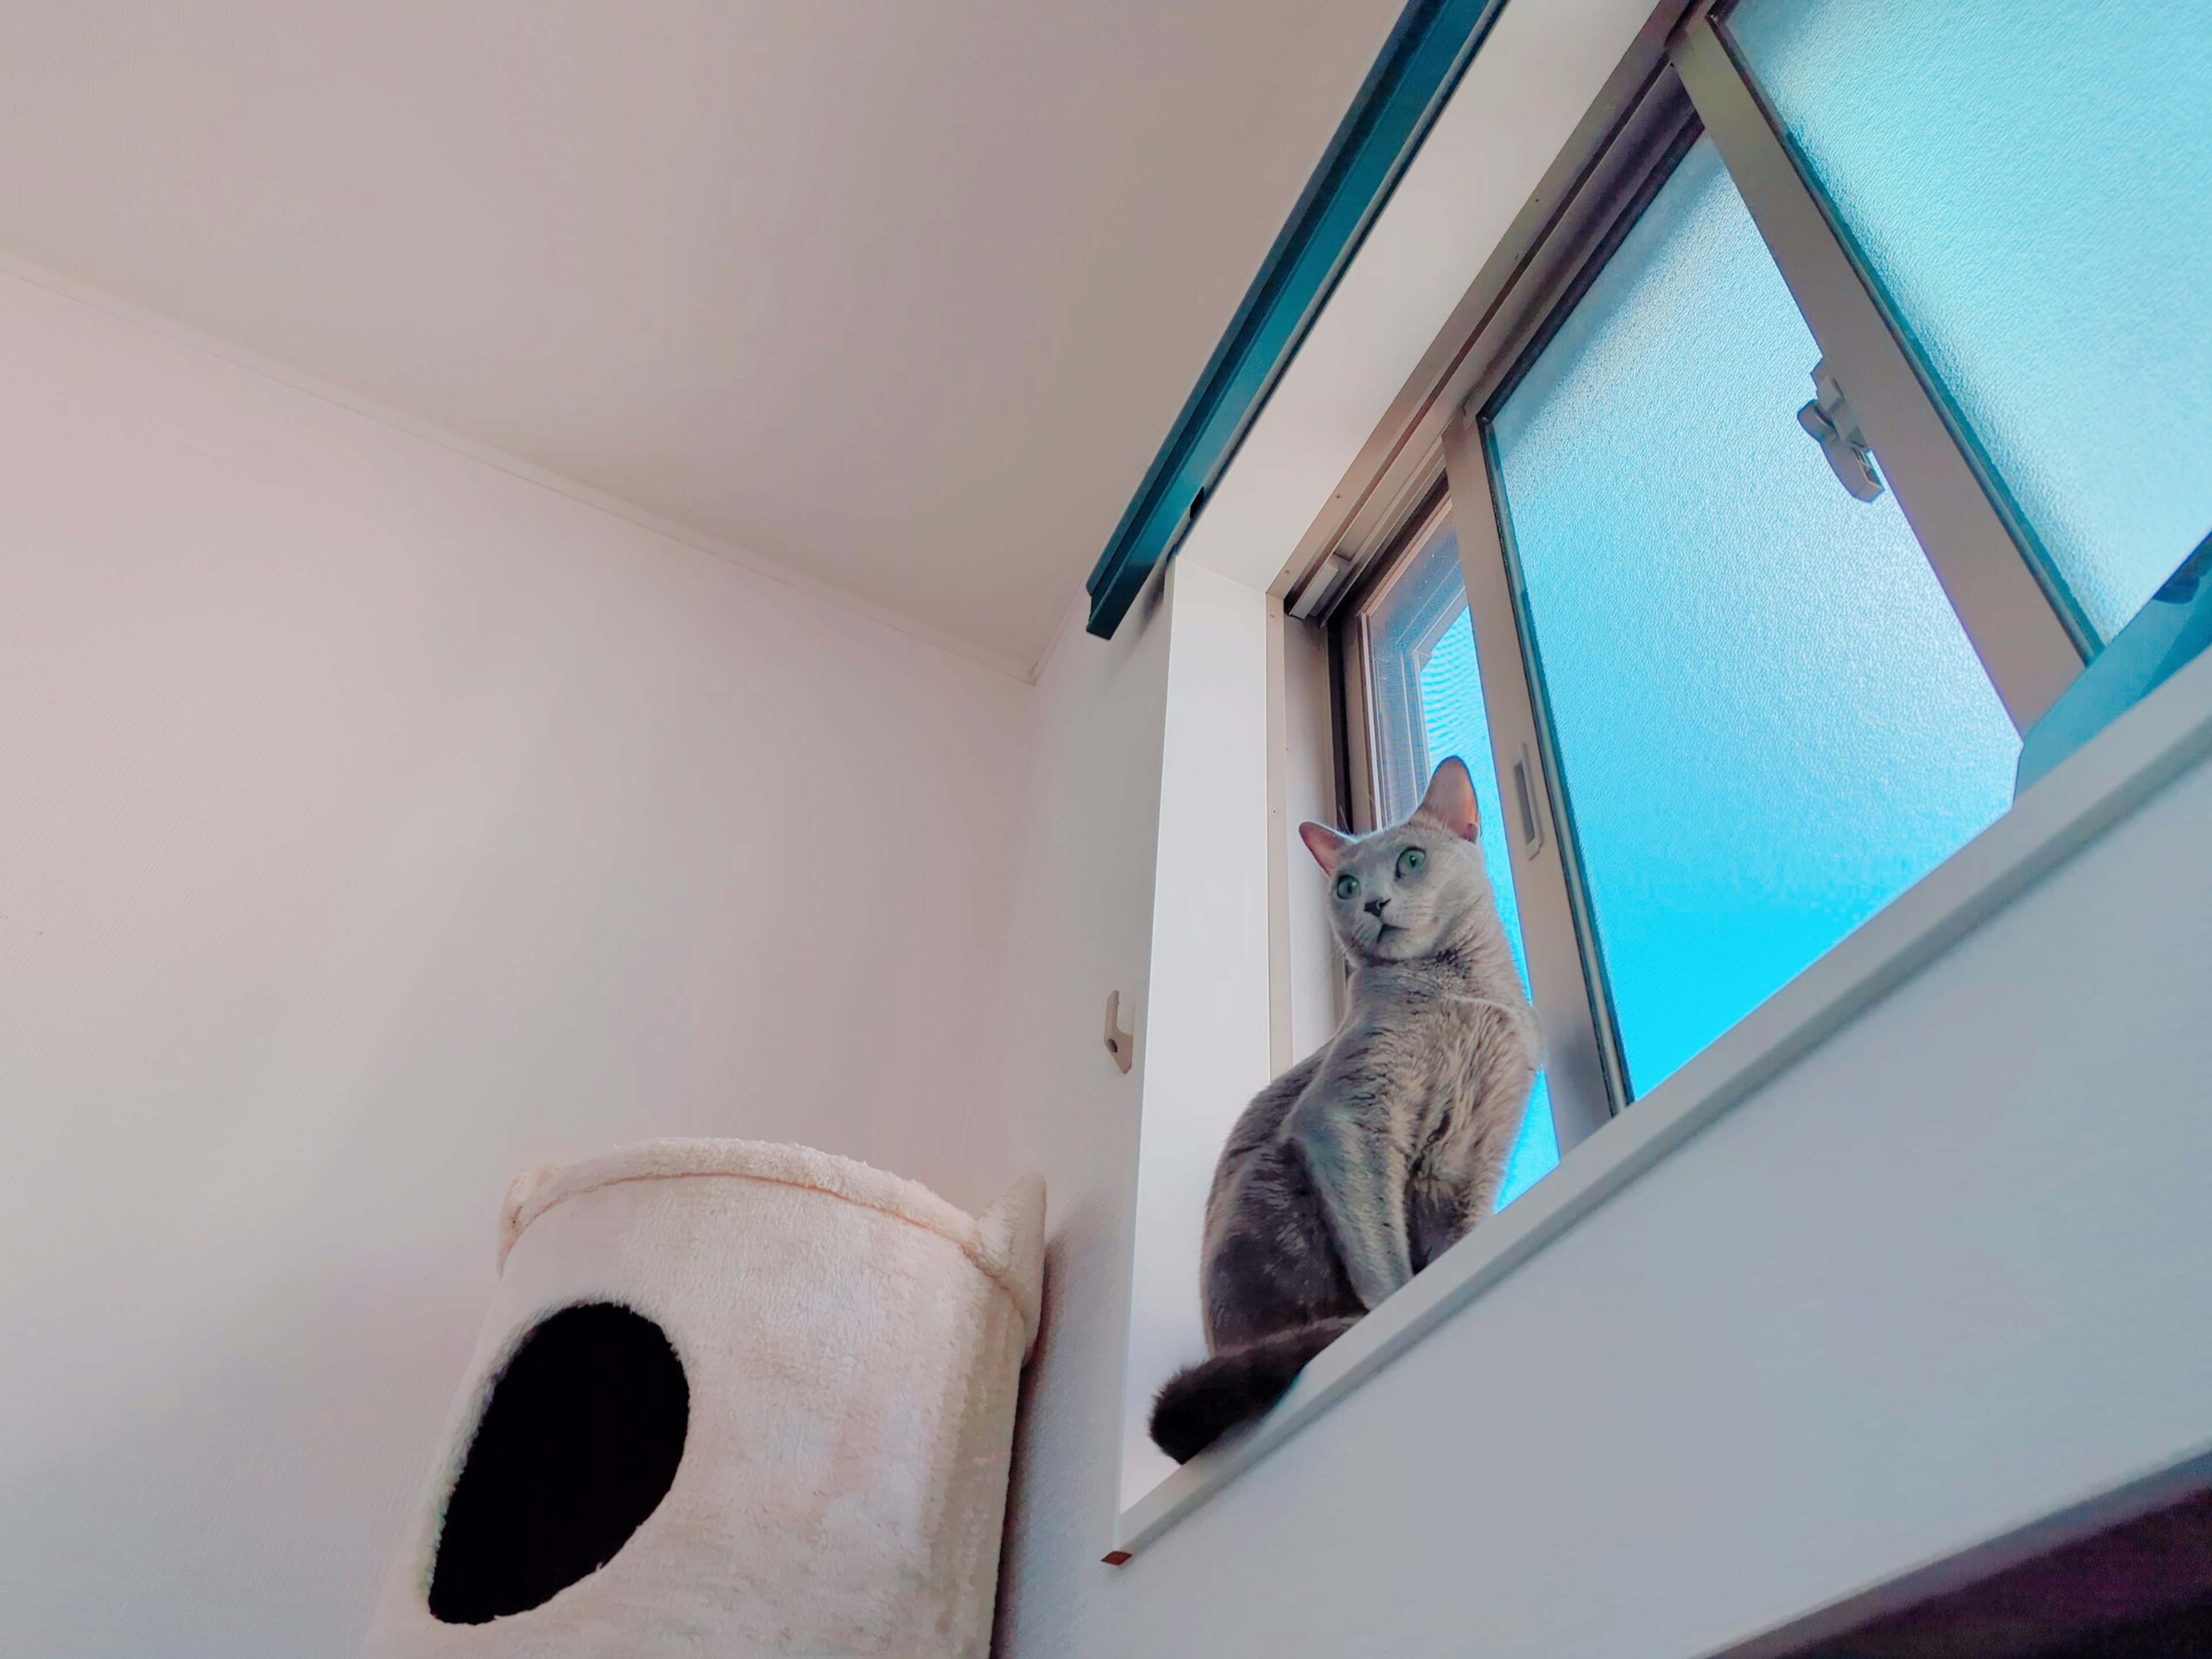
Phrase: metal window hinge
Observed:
(1829, 420)
(1121, 1044)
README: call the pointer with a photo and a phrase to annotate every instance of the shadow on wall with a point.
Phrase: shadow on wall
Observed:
(2139, 1589)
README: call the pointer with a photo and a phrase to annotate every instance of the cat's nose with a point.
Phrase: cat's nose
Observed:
(1375, 906)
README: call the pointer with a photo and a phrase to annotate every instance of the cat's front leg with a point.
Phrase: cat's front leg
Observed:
(1469, 1160)
(1359, 1174)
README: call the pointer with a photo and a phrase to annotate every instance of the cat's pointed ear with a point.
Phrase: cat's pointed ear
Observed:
(1325, 844)
(1450, 800)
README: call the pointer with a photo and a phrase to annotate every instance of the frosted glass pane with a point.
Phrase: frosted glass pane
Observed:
(2030, 181)
(1767, 719)
(1429, 705)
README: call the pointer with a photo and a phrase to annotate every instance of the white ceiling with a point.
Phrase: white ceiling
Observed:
(903, 296)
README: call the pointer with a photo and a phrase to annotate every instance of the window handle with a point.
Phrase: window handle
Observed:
(1532, 829)
(1829, 421)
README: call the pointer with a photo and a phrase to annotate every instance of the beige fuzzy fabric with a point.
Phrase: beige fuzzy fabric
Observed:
(853, 1346)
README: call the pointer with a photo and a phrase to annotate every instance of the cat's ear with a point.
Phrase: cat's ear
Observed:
(1450, 800)
(1325, 844)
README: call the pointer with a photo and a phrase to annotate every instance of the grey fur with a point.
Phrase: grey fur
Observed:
(1366, 1161)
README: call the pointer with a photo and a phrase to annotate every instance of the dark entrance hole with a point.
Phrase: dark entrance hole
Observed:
(578, 1444)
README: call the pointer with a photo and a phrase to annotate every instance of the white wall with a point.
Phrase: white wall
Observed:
(1080, 926)
(1206, 1012)
(1946, 1276)
(371, 823)
(1313, 965)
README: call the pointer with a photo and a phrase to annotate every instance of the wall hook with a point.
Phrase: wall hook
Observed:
(1121, 1044)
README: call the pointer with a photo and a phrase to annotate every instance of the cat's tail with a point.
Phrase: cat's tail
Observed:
(1202, 1403)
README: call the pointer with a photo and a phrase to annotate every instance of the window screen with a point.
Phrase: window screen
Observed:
(1428, 704)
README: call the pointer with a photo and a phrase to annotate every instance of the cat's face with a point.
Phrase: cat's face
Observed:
(1408, 890)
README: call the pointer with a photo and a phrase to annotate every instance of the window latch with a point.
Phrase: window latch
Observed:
(1532, 827)
(1829, 421)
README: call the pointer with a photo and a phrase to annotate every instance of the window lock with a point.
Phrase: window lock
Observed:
(1829, 421)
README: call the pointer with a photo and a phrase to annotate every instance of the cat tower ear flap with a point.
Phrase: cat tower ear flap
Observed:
(731, 1397)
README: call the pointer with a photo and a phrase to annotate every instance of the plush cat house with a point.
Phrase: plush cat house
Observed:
(733, 1399)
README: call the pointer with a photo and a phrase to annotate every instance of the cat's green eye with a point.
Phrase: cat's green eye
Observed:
(1346, 886)
(1410, 859)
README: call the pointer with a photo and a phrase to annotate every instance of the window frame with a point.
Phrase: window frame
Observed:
(1351, 631)
(1582, 1099)
(1682, 79)
(2027, 632)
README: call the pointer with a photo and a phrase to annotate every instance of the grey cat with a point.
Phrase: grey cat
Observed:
(1358, 1166)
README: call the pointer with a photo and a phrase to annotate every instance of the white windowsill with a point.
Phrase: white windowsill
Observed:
(2095, 788)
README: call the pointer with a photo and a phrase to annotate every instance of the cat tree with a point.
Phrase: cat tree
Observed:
(731, 1398)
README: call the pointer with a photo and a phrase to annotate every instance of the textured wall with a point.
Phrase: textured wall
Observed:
(371, 823)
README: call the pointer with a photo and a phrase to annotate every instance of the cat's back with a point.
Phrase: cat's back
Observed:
(1261, 1123)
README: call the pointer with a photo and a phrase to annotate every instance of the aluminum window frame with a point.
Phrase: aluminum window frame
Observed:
(1352, 641)
(1581, 1097)
(1680, 79)
(2027, 632)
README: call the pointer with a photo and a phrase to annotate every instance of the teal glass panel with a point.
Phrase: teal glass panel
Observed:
(2029, 182)
(1428, 697)
(1766, 720)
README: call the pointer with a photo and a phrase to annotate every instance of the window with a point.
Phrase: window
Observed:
(1788, 487)
(1764, 719)
(2044, 254)
(1419, 652)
